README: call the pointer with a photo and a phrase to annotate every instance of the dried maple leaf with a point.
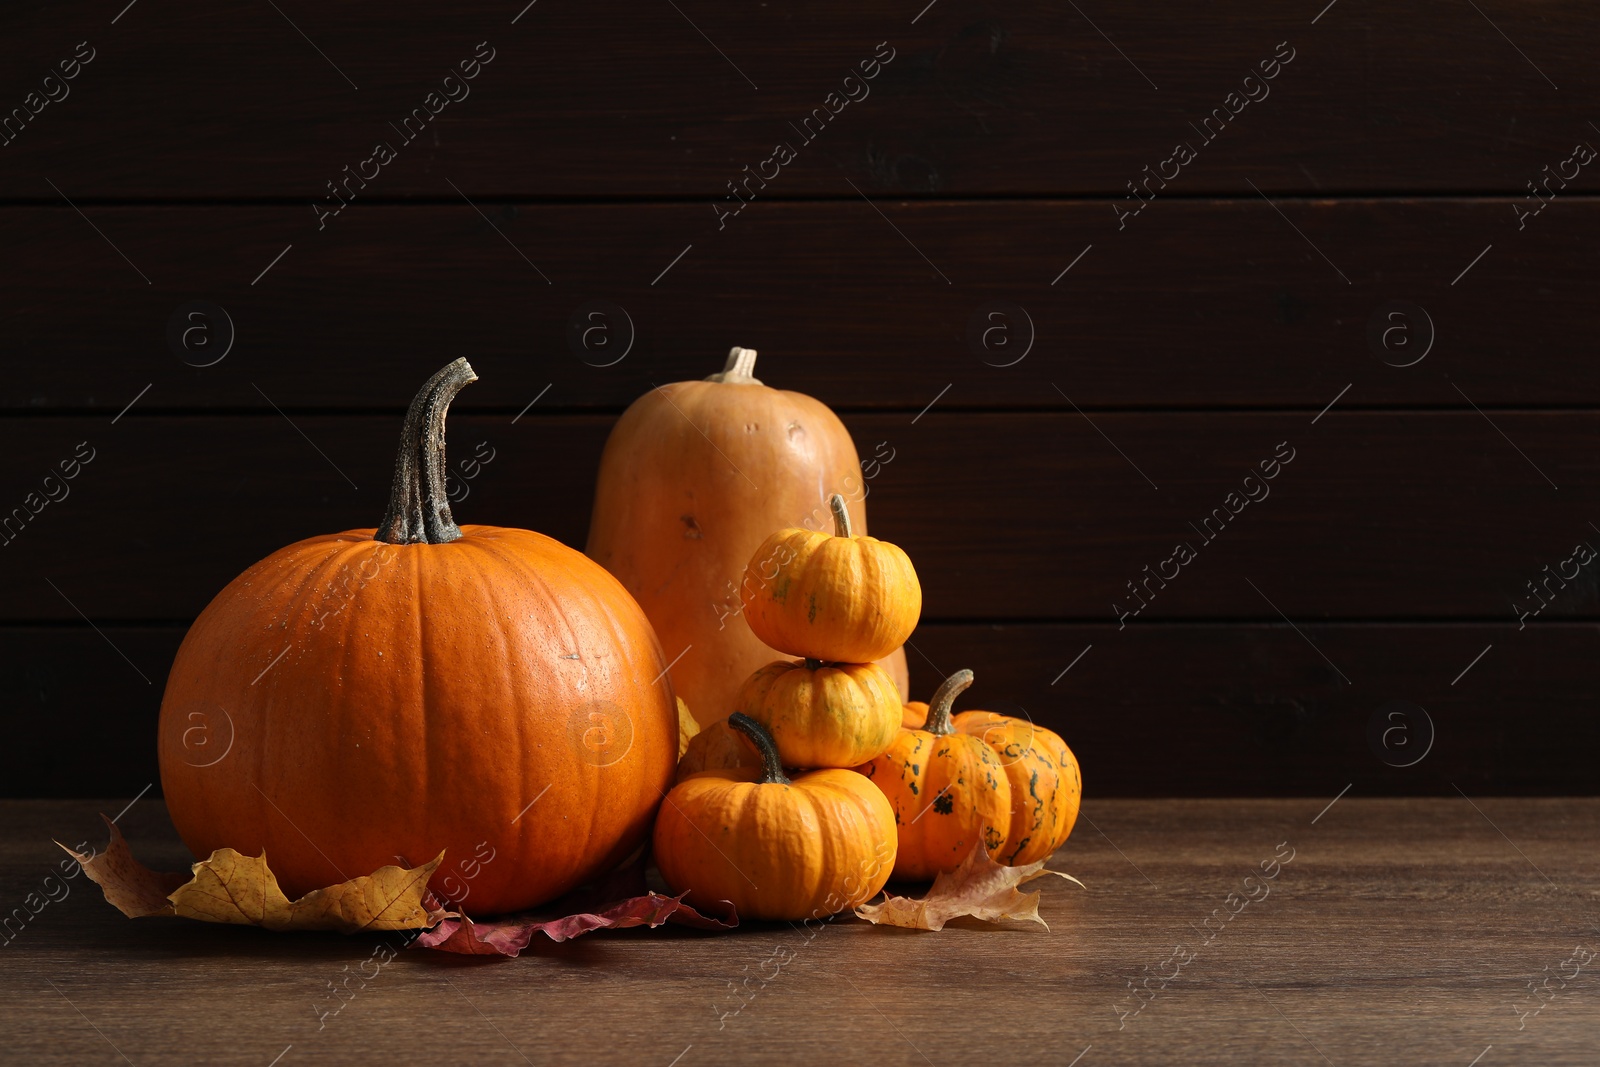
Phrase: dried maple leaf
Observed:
(979, 887)
(129, 886)
(228, 887)
(687, 727)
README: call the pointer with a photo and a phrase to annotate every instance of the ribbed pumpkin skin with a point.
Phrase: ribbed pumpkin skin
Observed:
(914, 714)
(948, 791)
(427, 695)
(1046, 787)
(835, 715)
(716, 748)
(695, 475)
(837, 599)
(821, 844)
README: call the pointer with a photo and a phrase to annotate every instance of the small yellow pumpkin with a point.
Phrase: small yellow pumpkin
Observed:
(949, 790)
(775, 848)
(1046, 786)
(833, 597)
(824, 714)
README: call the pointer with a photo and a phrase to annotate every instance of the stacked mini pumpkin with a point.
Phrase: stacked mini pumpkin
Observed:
(826, 840)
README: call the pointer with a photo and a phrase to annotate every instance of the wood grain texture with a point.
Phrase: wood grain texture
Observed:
(639, 98)
(1170, 337)
(1378, 515)
(1191, 304)
(1401, 931)
(1153, 710)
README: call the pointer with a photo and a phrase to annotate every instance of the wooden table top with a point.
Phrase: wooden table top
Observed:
(1439, 931)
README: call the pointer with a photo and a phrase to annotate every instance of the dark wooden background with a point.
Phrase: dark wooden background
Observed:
(1231, 314)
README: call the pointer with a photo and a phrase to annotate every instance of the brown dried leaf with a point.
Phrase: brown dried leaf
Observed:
(510, 935)
(229, 887)
(130, 886)
(687, 727)
(615, 901)
(980, 887)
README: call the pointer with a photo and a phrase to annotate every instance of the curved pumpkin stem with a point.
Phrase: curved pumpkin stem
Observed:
(841, 516)
(419, 509)
(943, 697)
(771, 765)
(740, 368)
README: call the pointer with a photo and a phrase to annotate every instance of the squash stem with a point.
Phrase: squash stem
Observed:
(841, 516)
(771, 765)
(739, 370)
(419, 509)
(943, 697)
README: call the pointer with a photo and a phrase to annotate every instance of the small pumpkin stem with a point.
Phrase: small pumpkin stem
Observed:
(419, 507)
(813, 664)
(771, 765)
(841, 516)
(939, 707)
(740, 368)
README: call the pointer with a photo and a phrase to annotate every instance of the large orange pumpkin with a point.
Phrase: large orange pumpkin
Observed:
(694, 477)
(369, 694)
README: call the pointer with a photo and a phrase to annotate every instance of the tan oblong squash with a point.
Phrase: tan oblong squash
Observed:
(839, 597)
(775, 848)
(694, 477)
(373, 694)
(824, 714)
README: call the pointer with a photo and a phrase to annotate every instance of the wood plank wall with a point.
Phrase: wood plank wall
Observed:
(1376, 256)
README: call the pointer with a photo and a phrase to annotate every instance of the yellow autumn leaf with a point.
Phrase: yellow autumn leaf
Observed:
(229, 887)
(687, 727)
(979, 887)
